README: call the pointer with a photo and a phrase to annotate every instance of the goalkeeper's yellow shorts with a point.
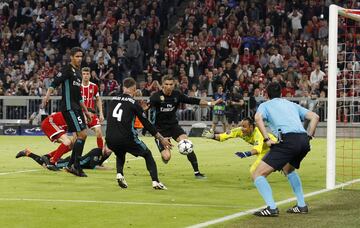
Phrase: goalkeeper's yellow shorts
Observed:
(256, 162)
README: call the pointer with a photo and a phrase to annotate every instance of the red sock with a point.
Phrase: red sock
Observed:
(100, 142)
(52, 153)
(62, 149)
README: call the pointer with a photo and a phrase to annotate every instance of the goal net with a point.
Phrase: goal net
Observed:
(343, 122)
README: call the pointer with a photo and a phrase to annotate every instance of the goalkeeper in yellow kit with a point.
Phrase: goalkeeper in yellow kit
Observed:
(250, 134)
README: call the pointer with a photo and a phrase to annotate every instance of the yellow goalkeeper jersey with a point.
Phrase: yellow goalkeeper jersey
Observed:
(256, 139)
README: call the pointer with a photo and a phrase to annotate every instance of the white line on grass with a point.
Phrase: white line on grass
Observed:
(21, 171)
(243, 213)
(119, 202)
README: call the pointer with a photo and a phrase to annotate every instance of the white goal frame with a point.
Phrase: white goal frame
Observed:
(334, 13)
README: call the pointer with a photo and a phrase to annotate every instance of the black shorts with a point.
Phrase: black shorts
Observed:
(74, 120)
(171, 131)
(233, 117)
(135, 147)
(292, 150)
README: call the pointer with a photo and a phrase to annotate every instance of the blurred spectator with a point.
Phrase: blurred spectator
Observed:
(220, 99)
(235, 105)
(212, 43)
(316, 76)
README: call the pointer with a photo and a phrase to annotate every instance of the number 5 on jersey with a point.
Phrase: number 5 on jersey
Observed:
(117, 112)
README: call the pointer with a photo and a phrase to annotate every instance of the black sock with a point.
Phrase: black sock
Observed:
(151, 166)
(76, 153)
(120, 161)
(36, 158)
(193, 160)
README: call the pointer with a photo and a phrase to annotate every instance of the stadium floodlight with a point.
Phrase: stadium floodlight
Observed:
(343, 157)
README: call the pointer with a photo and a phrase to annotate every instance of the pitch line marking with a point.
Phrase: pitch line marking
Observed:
(243, 213)
(118, 202)
(21, 171)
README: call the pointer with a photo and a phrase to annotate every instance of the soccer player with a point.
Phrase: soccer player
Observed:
(54, 127)
(121, 137)
(90, 94)
(164, 104)
(250, 134)
(72, 106)
(284, 119)
(94, 159)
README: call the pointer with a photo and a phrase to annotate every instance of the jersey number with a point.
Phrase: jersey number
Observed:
(117, 112)
(79, 120)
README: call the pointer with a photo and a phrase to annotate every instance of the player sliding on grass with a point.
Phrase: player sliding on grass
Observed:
(93, 159)
(250, 134)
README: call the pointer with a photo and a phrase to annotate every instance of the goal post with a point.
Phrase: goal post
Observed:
(335, 12)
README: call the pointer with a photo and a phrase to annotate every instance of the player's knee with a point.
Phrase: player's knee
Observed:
(82, 135)
(166, 155)
(98, 132)
(67, 142)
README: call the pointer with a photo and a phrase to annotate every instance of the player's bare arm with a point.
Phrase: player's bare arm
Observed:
(314, 120)
(86, 111)
(100, 108)
(47, 97)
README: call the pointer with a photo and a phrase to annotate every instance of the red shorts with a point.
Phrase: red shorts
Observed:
(95, 122)
(54, 126)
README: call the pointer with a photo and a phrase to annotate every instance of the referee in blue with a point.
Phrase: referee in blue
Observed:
(284, 119)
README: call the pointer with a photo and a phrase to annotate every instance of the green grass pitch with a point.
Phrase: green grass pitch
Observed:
(31, 196)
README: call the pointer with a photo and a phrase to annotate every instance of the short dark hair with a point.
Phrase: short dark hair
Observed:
(167, 78)
(75, 50)
(129, 82)
(85, 69)
(273, 90)
(250, 120)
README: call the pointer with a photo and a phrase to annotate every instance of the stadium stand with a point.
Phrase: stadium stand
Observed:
(241, 45)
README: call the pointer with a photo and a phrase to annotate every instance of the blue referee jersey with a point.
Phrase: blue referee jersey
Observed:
(283, 114)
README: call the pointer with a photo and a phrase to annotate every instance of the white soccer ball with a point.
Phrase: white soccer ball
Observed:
(185, 147)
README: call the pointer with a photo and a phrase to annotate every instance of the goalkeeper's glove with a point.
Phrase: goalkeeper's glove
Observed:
(208, 134)
(243, 154)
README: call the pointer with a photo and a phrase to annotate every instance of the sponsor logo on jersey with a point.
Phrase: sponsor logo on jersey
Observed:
(169, 108)
(76, 83)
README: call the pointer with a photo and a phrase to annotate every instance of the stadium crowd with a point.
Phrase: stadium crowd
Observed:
(224, 49)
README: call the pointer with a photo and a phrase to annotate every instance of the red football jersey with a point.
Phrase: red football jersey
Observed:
(89, 94)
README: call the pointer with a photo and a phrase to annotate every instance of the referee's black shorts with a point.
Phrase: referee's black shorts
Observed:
(75, 120)
(135, 147)
(292, 150)
(169, 131)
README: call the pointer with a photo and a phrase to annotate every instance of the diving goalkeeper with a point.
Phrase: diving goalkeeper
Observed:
(250, 134)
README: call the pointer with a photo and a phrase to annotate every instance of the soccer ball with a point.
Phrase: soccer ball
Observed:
(185, 147)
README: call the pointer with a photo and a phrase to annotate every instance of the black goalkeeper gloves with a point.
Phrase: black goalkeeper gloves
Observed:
(243, 154)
